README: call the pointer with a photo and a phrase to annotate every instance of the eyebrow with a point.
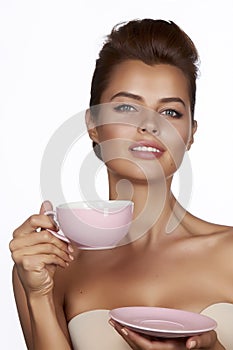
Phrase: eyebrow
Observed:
(172, 99)
(127, 94)
(139, 98)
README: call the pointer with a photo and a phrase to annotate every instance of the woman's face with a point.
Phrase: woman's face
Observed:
(144, 124)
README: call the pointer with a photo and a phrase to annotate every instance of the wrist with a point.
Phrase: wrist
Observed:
(38, 296)
(44, 323)
(40, 305)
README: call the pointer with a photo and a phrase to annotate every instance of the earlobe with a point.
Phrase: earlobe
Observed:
(91, 128)
(191, 140)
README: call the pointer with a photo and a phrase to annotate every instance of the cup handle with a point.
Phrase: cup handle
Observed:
(58, 234)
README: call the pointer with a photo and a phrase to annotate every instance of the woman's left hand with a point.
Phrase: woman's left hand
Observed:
(136, 341)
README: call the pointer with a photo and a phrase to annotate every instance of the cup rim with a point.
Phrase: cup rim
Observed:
(96, 204)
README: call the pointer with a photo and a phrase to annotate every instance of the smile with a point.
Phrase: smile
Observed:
(146, 150)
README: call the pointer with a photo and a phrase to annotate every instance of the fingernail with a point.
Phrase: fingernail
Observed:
(193, 344)
(124, 331)
(71, 257)
(70, 248)
(47, 205)
(111, 323)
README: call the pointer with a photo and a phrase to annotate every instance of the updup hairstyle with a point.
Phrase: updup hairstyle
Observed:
(152, 42)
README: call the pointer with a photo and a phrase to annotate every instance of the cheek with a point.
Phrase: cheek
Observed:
(183, 130)
(185, 134)
(114, 142)
(176, 140)
(114, 132)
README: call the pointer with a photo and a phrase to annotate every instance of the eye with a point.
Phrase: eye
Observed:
(171, 113)
(124, 107)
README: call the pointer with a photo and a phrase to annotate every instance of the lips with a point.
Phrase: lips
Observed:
(146, 150)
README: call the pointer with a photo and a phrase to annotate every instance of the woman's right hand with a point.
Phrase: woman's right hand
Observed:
(37, 254)
(137, 341)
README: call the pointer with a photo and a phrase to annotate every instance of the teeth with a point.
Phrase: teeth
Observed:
(145, 149)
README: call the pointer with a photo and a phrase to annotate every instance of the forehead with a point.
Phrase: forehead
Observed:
(150, 82)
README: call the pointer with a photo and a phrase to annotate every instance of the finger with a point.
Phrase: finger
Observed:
(34, 222)
(48, 249)
(144, 343)
(203, 341)
(123, 333)
(46, 206)
(39, 262)
(36, 238)
(139, 341)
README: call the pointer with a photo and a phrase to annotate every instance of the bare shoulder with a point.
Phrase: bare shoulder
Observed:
(198, 226)
(224, 240)
(221, 260)
(216, 236)
(221, 240)
(214, 240)
(213, 246)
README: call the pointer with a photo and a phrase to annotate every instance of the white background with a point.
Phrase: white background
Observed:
(47, 53)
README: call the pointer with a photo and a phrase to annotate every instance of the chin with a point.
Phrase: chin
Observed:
(139, 172)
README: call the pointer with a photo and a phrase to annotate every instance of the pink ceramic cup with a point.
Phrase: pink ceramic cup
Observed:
(93, 224)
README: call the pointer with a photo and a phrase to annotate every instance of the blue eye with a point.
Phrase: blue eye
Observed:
(125, 108)
(171, 113)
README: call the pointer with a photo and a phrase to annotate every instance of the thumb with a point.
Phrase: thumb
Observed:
(203, 341)
(45, 206)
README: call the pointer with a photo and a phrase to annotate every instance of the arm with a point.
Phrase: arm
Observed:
(36, 256)
(42, 325)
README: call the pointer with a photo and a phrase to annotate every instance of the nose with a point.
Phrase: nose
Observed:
(149, 125)
(144, 130)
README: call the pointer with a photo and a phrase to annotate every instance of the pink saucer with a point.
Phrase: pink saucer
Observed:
(163, 322)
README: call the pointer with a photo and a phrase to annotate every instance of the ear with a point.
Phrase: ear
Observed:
(91, 128)
(191, 140)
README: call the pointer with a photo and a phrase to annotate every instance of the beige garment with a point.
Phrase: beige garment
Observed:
(91, 330)
(222, 313)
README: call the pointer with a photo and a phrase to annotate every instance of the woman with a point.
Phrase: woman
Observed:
(145, 83)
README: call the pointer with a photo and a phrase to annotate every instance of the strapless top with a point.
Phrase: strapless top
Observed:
(90, 330)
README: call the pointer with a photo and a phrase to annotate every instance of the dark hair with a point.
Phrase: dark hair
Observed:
(152, 42)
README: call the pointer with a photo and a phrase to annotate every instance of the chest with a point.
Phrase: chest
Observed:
(107, 281)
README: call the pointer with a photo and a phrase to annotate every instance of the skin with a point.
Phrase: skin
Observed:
(158, 269)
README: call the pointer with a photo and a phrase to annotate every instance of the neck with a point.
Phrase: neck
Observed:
(153, 205)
